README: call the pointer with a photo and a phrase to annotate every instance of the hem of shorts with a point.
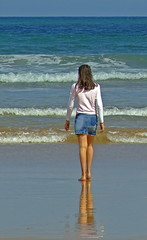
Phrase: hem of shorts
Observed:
(83, 133)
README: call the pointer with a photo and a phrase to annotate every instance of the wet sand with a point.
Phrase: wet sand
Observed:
(41, 198)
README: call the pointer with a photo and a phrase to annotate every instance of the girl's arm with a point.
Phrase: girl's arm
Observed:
(99, 107)
(70, 107)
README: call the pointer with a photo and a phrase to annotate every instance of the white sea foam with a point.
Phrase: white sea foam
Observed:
(126, 139)
(39, 59)
(54, 137)
(113, 62)
(66, 77)
(104, 66)
(37, 78)
(143, 134)
(61, 112)
(127, 136)
(107, 61)
(33, 112)
(32, 138)
(120, 75)
(114, 111)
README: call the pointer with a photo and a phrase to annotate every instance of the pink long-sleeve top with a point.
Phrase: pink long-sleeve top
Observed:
(89, 101)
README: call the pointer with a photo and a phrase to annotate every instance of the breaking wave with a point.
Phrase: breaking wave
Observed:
(66, 77)
(61, 112)
(39, 136)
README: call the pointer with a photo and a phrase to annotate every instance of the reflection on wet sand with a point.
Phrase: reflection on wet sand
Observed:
(86, 221)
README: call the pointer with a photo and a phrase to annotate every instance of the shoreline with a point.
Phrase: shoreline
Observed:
(59, 135)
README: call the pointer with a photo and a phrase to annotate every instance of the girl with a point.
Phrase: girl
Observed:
(90, 105)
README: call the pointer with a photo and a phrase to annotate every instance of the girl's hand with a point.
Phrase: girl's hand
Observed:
(67, 124)
(102, 127)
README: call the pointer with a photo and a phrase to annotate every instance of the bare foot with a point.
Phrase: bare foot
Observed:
(88, 176)
(82, 179)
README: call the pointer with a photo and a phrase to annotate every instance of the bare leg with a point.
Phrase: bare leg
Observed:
(90, 140)
(86, 155)
(82, 139)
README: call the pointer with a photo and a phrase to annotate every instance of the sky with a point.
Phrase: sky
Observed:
(73, 8)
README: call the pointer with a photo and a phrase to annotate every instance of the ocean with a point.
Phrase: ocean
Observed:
(39, 59)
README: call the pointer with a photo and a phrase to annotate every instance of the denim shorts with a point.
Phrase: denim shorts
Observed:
(86, 124)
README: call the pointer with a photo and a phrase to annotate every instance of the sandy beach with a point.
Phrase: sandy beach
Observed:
(41, 198)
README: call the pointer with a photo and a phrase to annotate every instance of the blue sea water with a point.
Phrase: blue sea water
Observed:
(39, 58)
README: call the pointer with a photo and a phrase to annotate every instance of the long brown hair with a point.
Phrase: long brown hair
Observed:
(85, 79)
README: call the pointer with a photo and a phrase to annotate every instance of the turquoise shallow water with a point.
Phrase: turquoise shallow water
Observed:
(39, 58)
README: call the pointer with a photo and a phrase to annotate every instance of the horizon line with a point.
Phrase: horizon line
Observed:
(64, 16)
